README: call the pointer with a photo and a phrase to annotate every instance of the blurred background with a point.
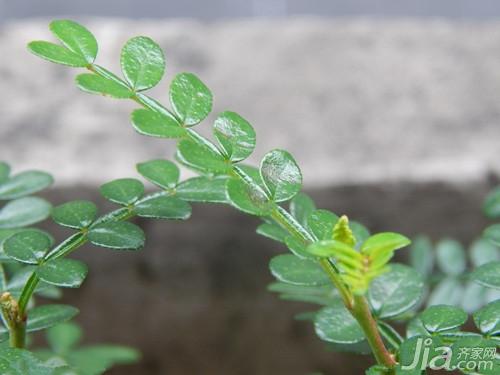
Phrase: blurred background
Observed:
(390, 107)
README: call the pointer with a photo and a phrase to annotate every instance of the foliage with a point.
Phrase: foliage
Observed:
(333, 262)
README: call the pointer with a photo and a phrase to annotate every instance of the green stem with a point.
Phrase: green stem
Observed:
(17, 335)
(361, 311)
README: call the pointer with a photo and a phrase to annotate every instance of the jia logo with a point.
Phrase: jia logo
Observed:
(470, 353)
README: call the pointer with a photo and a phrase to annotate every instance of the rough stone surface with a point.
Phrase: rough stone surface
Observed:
(353, 100)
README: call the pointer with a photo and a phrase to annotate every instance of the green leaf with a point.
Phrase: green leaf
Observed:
(117, 235)
(96, 359)
(162, 173)
(381, 244)
(422, 255)
(22, 362)
(441, 318)
(473, 297)
(4, 172)
(482, 252)
(201, 158)
(76, 38)
(290, 269)
(301, 207)
(492, 233)
(23, 212)
(450, 256)
(190, 98)
(322, 295)
(281, 175)
(28, 246)
(142, 62)
(24, 183)
(336, 324)
(163, 207)
(331, 248)
(47, 316)
(95, 84)
(56, 54)
(487, 319)
(448, 291)
(123, 191)
(75, 214)
(64, 337)
(491, 205)
(395, 292)
(321, 223)
(66, 273)
(247, 198)
(235, 135)
(203, 189)
(156, 124)
(488, 275)
(298, 247)
(272, 231)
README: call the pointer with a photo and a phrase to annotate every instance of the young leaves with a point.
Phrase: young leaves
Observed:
(75, 214)
(123, 191)
(155, 124)
(235, 135)
(281, 175)
(190, 99)
(117, 235)
(290, 269)
(162, 173)
(79, 45)
(142, 62)
(28, 246)
(66, 273)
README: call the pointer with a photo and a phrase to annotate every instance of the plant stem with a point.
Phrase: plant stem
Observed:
(15, 319)
(17, 335)
(361, 311)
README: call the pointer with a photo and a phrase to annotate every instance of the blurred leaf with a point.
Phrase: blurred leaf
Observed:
(488, 275)
(190, 98)
(28, 246)
(440, 318)
(395, 292)
(203, 189)
(4, 171)
(75, 214)
(235, 135)
(95, 360)
(483, 251)
(201, 158)
(64, 337)
(416, 328)
(335, 324)
(117, 235)
(289, 268)
(22, 362)
(491, 205)
(422, 255)
(473, 297)
(23, 212)
(156, 124)
(281, 175)
(123, 191)
(301, 207)
(272, 231)
(492, 233)
(448, 291)
(163, 207)
(46, 316)
(66, 273)
(162, 173)
(95, 84)
(76, 38)
(142, 62)
(321, 223)
(24, 183)
(321, 295)
(450, 256)
(487, 319)
(56, 54)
